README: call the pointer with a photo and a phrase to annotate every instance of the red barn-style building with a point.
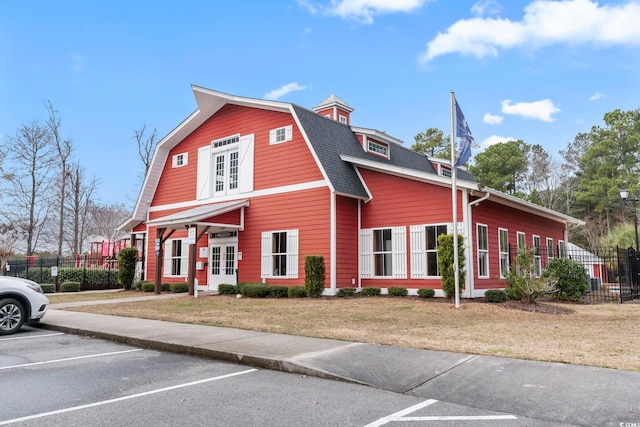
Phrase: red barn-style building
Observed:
(244, 189)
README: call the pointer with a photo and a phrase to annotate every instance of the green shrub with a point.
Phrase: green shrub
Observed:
(40, 275)
(370, 291)
(165, 287)
(127, 267)
(225, 289)
(426, 293)
(179, 288)
(346, 292)
(139, 283)
(70, 287)
(148, 287)
(48, 289)
(572, 280)
(445, 264)
(315, 272)
(496, 295)
(524, 284)
(278, 291)
(297, 292)
(397, 291)
(255, 290)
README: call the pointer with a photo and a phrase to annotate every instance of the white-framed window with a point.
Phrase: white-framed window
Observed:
(549, 248)
(279, 254)
(180, 160)
(445, 171)
(482, 241)
(537, 260)
(225, 167)
(342, 119)
(562, 249)
(377, 148)
(503, 250)
(424, 250)
(522, 240)
(383, 252)
(283, 134)
(176, 258)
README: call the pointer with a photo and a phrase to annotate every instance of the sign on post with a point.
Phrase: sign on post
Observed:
(191, 238)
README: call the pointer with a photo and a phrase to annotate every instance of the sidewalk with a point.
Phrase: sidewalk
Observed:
(569, 394)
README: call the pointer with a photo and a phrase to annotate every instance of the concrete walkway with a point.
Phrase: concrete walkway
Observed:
(553, 392)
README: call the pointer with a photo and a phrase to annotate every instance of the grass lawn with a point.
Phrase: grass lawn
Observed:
(604, 335)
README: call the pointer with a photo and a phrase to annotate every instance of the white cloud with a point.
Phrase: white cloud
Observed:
(495, 139)
(278, 93)
(544, 23)
(596, 96)
(492, 119)
(362, 10)
(539, 110)
(486, 7)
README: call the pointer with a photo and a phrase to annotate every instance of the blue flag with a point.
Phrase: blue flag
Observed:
(466, 139)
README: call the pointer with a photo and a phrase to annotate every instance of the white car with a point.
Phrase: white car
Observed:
(21, 300)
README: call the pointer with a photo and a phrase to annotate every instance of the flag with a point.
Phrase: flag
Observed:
(466, 139)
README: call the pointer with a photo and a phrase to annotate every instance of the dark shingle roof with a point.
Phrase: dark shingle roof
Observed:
(331, 139)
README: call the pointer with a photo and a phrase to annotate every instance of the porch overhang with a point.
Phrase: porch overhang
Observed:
(201, 216)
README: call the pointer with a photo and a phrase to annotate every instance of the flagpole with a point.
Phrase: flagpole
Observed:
(454, 199)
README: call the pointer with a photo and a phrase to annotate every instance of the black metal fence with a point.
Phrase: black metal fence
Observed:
(614, 274)
(91, 273)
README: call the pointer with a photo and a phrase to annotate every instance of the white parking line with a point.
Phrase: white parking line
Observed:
(69, 358)
(120, 399)
(400, 416)
(31, 337)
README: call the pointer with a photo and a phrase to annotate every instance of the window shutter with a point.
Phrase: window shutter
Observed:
(366, 253)
(272, 136)
(184, 259)
(245, 164)
(266, 267)
(399, 243)
(288, 132)
(166, 267)
(418, 254)
(203, 182)
(292, 254)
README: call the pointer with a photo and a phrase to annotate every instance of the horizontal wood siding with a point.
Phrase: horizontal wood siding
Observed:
(275, 165)
(307, 211)
(346, 242)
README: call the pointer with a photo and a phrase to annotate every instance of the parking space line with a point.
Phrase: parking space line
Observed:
(120, 399)
(400, 416)
(70, 358)
(31, 337)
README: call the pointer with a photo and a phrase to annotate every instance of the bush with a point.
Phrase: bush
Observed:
(165, 287)
(255, 290)
(179, 288)
(426, 293)
(445, 264)
(70, 287)
(278, 291)
(225, 289)
(396, 291)
(346, 292)
(148, 287)
(370, 291)
(48, 289)
(139, 283)
(495, 295)
(314, 275)
(127, 267)
(39, 275)
(524, 284)
(572, 280)
(297, 292)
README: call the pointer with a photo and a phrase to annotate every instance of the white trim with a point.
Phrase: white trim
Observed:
(502, 253)
(333, 236)
(377, 135)
(176, 157)
(288, 135)
(483, 250)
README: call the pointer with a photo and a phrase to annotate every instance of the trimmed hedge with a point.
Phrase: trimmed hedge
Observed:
(496, 295)
(48, 289)
(370, 291)
(225, 289)
(255, 290)
(148, 287)
(426, 293)
(278, 291)
(179, 288)
(315, 272)
(164, 287)
(346, 292)
(397, 291)
(70, 287)
(297, 292)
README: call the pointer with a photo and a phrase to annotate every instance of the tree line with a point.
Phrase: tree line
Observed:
(584, 182)
(48, 200)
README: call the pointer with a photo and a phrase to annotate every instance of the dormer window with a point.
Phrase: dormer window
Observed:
(342, 119)
(378, 148)
(445, 171)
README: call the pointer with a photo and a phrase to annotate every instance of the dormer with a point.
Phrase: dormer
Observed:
(442, 166)
(375, 142)
(334, 108)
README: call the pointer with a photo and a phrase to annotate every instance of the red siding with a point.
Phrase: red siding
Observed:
(346, 242)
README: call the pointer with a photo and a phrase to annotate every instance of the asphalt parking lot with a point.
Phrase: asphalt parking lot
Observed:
(56, 379)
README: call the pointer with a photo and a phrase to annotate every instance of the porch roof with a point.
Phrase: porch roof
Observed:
(199, 214)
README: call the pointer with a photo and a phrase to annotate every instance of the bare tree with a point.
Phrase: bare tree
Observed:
(146, 147)
(32, 160)
(64, 149)
(8, 239)
(78, 206)
(106, 218)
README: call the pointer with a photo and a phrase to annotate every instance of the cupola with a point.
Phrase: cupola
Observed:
(334, 108)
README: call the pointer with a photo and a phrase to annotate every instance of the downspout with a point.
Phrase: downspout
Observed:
(466, 227)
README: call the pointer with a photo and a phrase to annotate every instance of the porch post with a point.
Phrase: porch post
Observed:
(191, 272)
(159, 258)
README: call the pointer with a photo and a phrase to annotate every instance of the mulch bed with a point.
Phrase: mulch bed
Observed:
(538, 307)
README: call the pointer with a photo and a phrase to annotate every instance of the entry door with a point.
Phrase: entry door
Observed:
(222, 264)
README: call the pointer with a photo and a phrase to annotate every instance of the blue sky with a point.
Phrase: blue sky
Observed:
(540, 71)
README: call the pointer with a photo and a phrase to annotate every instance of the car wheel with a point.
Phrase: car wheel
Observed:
(11, 316)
